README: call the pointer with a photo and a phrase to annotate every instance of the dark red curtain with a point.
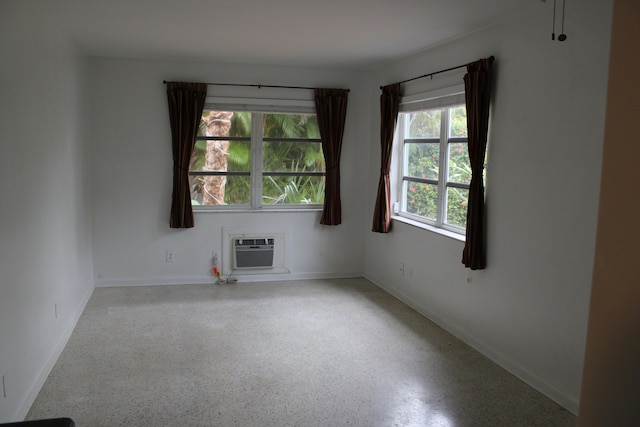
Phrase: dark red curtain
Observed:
(477, 84)
(186, 102)
(331, 109)
(389, 104)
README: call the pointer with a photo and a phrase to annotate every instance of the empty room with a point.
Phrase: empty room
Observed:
(290, 212)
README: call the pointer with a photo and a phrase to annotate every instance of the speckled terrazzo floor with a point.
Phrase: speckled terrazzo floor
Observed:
(303, 353)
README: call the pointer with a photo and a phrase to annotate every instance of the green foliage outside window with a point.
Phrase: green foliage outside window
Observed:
(422, 199)
(422, 148)
(298, 156)
(292, 156)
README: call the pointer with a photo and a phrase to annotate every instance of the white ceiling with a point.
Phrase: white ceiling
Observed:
(355, 34)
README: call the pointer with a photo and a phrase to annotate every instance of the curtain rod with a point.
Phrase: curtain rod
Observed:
(491, 58)
(258, 86)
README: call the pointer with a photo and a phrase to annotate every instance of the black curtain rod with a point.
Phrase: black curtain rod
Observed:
(258, 86)
(437, 72)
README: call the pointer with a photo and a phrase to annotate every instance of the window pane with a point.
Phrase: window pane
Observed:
(424, 124)
(421, 199)
(458, 122)
(291, 126)
(221, 156)
(220, 190)
(289, 156)
(457, 206)
(225, 123)
(422, 160)
(292, 190)
(459, 165)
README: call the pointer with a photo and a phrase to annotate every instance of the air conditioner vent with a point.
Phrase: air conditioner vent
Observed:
(253, 252)
(253, 242)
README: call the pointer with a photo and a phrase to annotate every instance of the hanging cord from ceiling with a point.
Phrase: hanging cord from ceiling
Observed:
(562, 37)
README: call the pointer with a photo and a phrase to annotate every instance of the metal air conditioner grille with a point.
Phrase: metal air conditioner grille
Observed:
(253, 252)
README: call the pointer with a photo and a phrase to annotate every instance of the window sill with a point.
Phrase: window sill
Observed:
(427, 227)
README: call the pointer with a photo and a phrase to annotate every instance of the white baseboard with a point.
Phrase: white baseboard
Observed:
(51, 359)
(241, 277)
(570, 403)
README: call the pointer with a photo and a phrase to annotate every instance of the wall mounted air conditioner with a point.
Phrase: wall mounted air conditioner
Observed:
(251, 253)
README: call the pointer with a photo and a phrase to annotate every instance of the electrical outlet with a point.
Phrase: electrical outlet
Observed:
(169, 256)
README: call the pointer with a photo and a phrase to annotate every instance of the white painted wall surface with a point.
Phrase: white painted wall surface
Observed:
(528, 309)
(132, 175)
(45, 245)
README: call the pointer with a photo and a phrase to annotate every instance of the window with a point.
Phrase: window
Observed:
(253, 160)
(434, 171)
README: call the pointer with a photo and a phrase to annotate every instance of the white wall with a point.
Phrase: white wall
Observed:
(528, 309)
(45, 246)
(131, 161)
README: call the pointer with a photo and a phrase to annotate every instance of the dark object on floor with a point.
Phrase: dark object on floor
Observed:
(54, 422)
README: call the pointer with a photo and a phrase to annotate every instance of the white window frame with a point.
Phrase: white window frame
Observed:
(258, 107)
(442, 98)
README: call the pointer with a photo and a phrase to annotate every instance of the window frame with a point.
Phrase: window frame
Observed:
(258, 108)
(443, 99)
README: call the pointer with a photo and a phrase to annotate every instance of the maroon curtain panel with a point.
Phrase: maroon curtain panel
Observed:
(331, 109)
(186, 102)
(477, 83)
(389, 104)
